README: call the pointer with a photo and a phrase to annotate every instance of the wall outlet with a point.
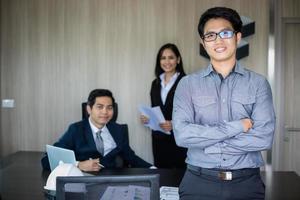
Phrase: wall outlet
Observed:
(8, 103)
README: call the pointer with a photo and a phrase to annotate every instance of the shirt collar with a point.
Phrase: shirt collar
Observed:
(173, 78)
(238, 68)
(94, 128)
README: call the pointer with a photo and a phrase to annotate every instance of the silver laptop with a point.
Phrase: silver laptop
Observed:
(56, 154)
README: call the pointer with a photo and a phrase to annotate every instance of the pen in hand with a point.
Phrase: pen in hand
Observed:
(102, 166)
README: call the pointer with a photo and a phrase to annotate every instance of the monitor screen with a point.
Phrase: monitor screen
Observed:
(106, 187)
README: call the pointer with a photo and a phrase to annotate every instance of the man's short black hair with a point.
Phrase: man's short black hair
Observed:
(220, 12)
(99, 93)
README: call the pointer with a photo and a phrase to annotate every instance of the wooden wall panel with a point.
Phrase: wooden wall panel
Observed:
(0, 74)
(290, 8)
(53, 52)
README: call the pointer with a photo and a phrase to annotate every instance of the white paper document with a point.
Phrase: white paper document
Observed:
(155, 117)
(115, 192)
(168, 193)
(131, 192)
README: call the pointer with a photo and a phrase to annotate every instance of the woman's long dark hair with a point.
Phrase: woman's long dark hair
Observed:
(179, 66)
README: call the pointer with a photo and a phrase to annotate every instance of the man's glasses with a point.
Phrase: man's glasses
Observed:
(212, 36)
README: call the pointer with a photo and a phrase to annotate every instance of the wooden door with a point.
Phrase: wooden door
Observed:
(291, 69)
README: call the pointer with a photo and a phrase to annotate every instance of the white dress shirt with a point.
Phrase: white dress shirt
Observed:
(165, 88)
(108, 141)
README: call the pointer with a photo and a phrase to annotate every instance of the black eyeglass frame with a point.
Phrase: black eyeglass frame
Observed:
(219, 34)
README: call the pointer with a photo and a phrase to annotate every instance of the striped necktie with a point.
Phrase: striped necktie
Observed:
(99, 142)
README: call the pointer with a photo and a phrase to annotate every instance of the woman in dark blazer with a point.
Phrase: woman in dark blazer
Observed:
(168, 72)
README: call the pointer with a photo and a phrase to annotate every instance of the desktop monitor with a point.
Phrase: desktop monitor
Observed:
(108, 187)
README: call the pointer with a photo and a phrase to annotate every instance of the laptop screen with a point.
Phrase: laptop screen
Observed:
(56, 154)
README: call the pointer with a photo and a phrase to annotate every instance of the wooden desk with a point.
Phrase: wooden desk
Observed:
(22, 177)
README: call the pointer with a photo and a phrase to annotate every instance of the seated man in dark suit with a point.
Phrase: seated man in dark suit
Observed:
(96, 139)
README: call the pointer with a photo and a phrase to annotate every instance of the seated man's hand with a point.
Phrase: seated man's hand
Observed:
(90, 165)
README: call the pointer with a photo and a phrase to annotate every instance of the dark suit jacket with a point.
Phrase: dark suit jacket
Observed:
(79, 138)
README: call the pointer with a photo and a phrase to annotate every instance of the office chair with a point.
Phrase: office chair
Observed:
(120, 162)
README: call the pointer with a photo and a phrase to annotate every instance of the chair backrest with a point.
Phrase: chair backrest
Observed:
(120, 162)
(85, 114)
(94, 187)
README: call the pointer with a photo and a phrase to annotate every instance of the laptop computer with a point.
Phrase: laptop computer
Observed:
(56, 154)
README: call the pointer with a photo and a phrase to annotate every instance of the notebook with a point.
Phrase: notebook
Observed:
(56, 154)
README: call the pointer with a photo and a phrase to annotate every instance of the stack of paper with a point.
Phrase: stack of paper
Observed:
(168, 193)
(155, 117)
(131, 192)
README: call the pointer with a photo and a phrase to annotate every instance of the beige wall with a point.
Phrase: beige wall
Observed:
(53, 52)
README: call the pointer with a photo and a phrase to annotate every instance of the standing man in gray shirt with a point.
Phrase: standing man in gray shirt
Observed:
(224, 115)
